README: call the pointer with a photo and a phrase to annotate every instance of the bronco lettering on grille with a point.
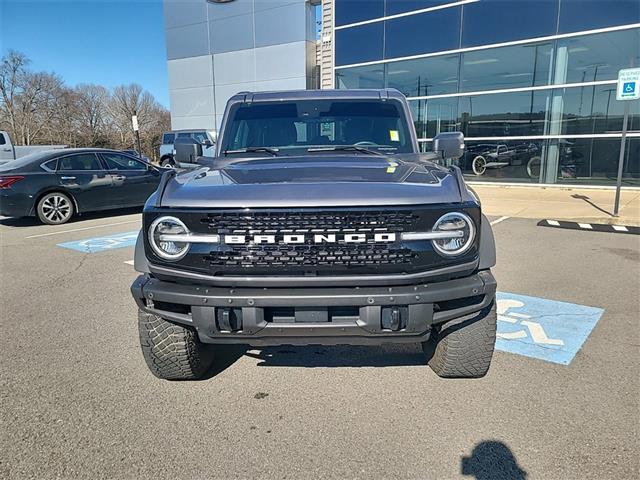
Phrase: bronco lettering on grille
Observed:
(299, 238)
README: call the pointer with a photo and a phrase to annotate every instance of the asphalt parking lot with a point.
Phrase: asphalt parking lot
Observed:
(78, 400)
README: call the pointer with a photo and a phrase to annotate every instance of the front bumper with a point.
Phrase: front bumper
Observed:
(309, 316)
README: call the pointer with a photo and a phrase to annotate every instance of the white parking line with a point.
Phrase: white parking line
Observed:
(81, 229)
(498, 220)
(129, 262)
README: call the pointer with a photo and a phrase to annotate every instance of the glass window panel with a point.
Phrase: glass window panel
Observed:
(121, 162)
(83, 161)
(359, 44)
(506, 67)
(592, 161)
(504, 114)
(352, 11)
(565, 161)
(577, 15)
(424, 76)
(434, 116)
(591, 109)
(495, 21)
(402, 6)
(599, 57)
(502, 160)
(370, 76)
(423, 33)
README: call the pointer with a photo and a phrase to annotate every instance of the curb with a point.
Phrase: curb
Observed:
(592, 227)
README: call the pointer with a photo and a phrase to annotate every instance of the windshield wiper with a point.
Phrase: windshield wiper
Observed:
(272, 151)
(342, 148)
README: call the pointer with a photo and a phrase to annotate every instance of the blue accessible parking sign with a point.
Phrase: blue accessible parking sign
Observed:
(544, 329)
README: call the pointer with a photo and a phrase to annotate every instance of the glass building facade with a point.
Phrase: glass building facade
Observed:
(531, 83)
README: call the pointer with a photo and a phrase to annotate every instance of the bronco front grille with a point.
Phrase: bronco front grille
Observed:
(309, 256)
(282, 222)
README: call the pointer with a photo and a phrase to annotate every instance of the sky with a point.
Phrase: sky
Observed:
(106, 42)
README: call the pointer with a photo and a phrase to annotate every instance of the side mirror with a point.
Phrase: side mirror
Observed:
(449, 144)
(187, 150)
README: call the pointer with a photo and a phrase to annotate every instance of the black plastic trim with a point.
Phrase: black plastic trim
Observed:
(292, 281)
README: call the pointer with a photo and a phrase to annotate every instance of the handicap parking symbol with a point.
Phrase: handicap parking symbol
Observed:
(544, 329)
(100, 244)
(629, 87)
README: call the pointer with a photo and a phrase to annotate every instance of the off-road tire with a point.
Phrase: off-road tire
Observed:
(464, 350)
(172, 352)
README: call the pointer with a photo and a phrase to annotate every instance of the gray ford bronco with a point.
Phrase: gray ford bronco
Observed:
(317, 222)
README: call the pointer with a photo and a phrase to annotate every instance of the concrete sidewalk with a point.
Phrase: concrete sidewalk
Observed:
(558, 203)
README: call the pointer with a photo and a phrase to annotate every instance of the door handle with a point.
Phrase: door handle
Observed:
(119, 177)
(6, 149)
(67, 178)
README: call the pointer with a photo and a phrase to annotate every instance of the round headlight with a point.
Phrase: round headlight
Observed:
(462, 231)
(159, 230)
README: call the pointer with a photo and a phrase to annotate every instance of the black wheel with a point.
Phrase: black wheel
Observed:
(55, 208)
(479, 165)
(172, 352)
(168, 163)
(464, 350)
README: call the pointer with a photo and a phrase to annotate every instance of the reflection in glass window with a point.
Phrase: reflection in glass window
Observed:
(599, 57)
(359, 44)
(494, 21)
(121, 162)
(578, 15)
(83, 161)
(370, 76)
(504, 114)
(434, 116)
(591, 109)
(506, 67)
(590, 160)
(501, 159)
(423, 33)
(402, 6)
(424, 76)
(352, 11)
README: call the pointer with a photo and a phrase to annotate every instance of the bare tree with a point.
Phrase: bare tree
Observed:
(38, 107)
(12, 80)
(92, 114)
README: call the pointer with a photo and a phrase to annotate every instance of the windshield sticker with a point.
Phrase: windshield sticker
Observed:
(394, 135)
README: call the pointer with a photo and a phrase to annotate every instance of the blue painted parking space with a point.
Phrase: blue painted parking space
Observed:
(101, 244)
(544, 329)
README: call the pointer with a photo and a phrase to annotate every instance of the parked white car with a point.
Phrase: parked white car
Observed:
(9, 151)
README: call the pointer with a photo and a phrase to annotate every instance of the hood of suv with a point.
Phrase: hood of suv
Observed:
(319, 180)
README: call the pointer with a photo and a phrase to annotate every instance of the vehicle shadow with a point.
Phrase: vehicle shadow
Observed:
(490, 460)
(20, 222)
(339, 356)
(225, 356)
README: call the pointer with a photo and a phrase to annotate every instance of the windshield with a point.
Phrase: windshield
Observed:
(295, 127)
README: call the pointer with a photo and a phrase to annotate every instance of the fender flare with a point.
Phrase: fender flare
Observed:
(487, 251)
(140, 263)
